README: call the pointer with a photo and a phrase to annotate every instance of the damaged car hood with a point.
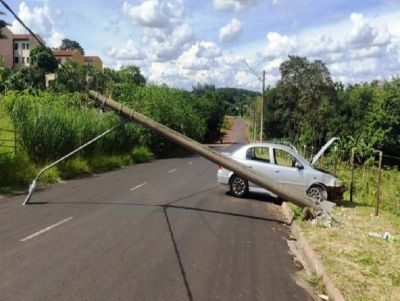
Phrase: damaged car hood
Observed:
(323, 149)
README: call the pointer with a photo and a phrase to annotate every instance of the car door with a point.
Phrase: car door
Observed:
(285, 170)
(259, 158)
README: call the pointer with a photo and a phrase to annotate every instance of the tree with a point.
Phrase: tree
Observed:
(70, 78)
(2, 25)
(302, 102)
(43, 58)
(131, 74)
(67, 44)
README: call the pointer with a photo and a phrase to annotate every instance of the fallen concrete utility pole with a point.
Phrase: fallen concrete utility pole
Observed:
(291, 194)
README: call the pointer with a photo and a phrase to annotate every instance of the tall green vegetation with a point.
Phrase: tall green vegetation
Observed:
(52, 124)
(307, 107)
(43, 59)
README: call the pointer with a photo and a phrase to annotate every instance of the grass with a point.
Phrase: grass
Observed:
(227, 124)
(5, 124)
(362, 267)
(365, 184)
(18, 171)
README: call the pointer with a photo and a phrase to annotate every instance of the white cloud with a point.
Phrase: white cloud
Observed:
(41, 21)
(320, 44)
(164, 45)
(201, 56)
(233, 5)
(231, 31)
(278, 45)
(129, 52)
(363, 34)
(155, 13)
(355, 49)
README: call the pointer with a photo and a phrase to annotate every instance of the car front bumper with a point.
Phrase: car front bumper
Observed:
(336, 193)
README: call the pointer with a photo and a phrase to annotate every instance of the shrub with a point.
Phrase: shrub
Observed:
(141, 154)
(50, 176)
(16, 170)
(104, 162)
(74, 167)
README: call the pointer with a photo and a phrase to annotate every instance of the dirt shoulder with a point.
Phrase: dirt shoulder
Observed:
(362, 265)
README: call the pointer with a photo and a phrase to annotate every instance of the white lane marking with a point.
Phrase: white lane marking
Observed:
(46, 229)
(138, 186)
(172, 170)
(190, 163)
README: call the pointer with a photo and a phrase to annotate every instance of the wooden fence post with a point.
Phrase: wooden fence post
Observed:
(363, 180)
(378, 188)
(352, 174)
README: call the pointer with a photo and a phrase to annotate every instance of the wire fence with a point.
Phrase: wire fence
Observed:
(368, 181)
(8, 142)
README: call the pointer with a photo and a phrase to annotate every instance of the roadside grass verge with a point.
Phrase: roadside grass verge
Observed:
(17, 171)
(362, 267)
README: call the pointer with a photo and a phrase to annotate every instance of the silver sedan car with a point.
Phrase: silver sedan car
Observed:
(283, 164)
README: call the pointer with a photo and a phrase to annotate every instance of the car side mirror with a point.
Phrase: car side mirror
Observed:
(298, 165)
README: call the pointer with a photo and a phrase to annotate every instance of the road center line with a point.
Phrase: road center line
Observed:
(172, 170)
(46, 229)
(138, 186)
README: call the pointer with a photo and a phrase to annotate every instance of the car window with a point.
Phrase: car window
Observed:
(258, 154)
(283, 158)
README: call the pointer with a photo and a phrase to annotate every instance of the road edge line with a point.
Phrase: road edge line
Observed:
(310, 256)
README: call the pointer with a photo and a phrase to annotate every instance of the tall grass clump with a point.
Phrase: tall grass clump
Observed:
(141, 154)
(52, 125)
(171, 107)
(15, 170)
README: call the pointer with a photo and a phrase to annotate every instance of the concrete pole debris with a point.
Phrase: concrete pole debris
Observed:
(291, 194)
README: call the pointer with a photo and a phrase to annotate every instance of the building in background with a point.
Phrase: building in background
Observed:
(14, 48)
(94, 61)
(63, 55)
(74, 55)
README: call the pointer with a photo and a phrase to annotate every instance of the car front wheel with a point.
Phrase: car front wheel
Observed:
(238, 186)
(317, 193)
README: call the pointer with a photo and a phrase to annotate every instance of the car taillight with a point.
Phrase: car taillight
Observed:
(220, 167)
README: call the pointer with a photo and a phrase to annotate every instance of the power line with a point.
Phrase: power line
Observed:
(248, 83)
(252, 70)
(22, 23)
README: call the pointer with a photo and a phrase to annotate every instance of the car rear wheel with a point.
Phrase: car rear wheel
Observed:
(238, 186)
(317, 193)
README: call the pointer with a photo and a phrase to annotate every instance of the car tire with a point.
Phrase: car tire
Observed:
(238, 186)
(317, 193)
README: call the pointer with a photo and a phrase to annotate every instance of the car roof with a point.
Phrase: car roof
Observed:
(268, 144)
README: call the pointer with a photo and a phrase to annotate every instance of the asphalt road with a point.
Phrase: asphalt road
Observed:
(164, 230)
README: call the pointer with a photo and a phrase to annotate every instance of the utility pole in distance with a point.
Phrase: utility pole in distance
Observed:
(262, 108)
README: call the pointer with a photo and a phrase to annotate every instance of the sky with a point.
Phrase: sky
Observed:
(224, 42)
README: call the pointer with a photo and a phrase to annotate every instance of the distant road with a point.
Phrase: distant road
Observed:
(164, 230)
